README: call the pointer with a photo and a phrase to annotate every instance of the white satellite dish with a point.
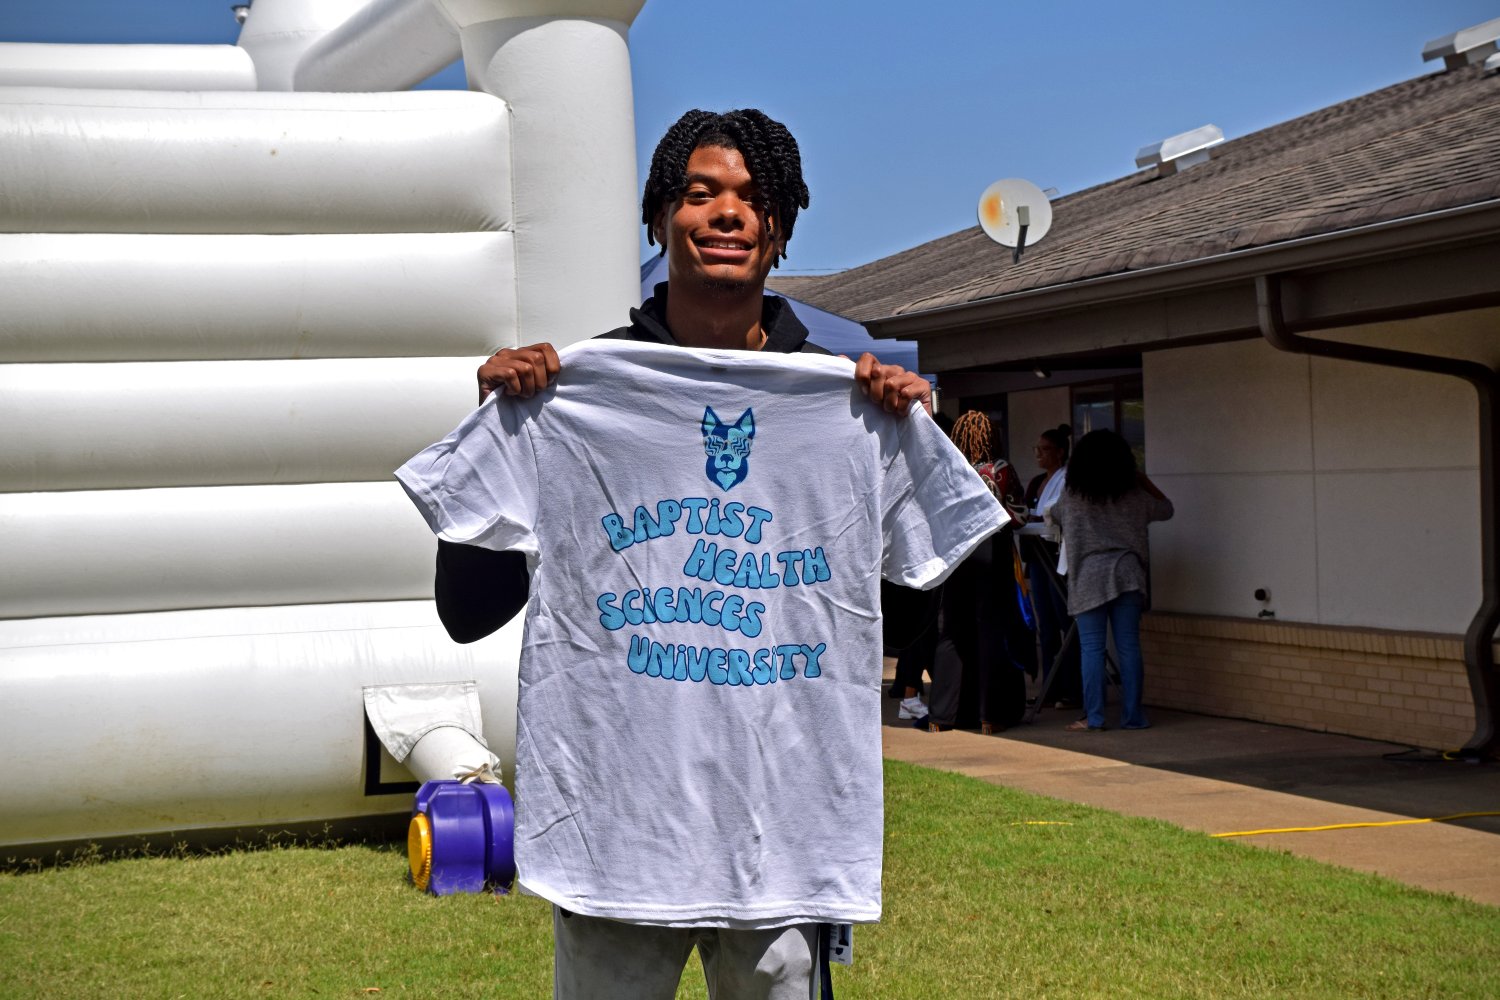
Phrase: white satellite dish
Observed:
(1014, 213)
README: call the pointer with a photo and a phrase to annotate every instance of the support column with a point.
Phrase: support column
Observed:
(563, 67)
(277, 32)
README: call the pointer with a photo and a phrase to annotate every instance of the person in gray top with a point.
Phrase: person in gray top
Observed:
(1103, 514)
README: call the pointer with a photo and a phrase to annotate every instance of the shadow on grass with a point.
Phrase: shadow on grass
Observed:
(374, 831)
(1328, 767)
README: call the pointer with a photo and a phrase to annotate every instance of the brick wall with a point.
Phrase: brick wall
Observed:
(1402, 687)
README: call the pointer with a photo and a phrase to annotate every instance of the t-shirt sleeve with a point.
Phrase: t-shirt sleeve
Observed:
(478, 485)
(934, 507)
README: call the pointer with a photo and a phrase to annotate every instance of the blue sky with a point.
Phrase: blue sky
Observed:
(905, 113)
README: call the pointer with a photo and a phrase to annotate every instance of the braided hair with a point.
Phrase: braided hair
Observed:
(769, 151)
(974, 436)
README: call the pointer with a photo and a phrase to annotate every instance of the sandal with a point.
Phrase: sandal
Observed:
(1082, 726)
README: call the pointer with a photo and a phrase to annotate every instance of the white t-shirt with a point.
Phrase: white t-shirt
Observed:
(698, 721)
(1051, 492)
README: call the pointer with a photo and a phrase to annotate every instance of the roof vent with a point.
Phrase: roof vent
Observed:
(1466, 47)
(1180, 151)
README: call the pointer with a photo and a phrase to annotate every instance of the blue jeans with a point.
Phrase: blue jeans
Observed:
(1123, 616)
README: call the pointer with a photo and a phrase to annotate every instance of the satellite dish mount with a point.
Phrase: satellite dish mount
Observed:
(1013, 211)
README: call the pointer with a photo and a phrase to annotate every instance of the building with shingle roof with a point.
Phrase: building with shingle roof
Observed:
(1354, 489)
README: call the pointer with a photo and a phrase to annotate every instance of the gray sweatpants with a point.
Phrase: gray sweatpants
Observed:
(598, 959)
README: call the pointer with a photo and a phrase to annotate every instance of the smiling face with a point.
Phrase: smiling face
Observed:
(1048, 455)
(718, 233)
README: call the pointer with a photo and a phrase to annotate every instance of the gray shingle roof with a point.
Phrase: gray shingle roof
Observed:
(1419, 146)
(793, 285)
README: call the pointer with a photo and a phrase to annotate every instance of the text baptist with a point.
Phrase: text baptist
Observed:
(697, 516)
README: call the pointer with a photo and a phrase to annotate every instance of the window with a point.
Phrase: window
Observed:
(1117, 404)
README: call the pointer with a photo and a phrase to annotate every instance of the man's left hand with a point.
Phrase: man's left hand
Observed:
(891, 386)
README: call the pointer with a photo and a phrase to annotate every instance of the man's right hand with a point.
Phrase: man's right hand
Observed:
(518, 371)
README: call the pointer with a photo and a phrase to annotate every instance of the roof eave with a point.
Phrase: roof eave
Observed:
(1214, 295)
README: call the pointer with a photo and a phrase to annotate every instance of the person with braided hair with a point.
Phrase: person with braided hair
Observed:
(721, 200)
(975, 676)
(974, 434)
(769, 153)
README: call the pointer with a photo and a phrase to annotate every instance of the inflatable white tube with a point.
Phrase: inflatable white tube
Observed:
(213, 423)
(403, 715)
(388, 45)
(567, 81)
(447, 753)
(277, 32)
(114, 551)
(88, 161)
(200, 719)
(170, 297)
(126, 67)
(124, 709)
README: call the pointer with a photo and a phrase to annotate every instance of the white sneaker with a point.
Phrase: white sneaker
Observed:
(912, 708)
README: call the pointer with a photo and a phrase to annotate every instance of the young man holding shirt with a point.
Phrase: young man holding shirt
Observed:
(737, 810)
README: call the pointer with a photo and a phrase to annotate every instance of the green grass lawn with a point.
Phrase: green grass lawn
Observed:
(988, 893)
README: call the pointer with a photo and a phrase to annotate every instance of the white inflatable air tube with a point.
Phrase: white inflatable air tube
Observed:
(567, 81)
(88, 161)
(203, 297)
(277, 32)
(126, 67)
(125, 724)
(389, 45)
(113, 551)
(220, 423)
(448, 752)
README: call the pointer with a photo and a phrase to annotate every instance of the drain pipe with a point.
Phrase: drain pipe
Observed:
(1479, 648)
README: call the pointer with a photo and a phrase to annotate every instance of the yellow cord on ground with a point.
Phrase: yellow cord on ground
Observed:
(1354, 826)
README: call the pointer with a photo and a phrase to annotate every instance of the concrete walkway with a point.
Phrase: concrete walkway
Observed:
(1222, 775)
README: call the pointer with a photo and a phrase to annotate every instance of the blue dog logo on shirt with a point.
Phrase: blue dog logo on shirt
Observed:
(728, 447)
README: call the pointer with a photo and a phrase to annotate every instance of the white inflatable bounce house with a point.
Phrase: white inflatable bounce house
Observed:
(239, 285)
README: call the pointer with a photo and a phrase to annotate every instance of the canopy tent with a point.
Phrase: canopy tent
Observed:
(828, 330)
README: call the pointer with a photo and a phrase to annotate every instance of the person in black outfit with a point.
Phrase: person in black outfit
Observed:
(721, 199)
(1041, 554)
(976, 681)
(911, 629)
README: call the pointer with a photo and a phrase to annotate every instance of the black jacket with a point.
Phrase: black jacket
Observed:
(479, 590)
(785, 333)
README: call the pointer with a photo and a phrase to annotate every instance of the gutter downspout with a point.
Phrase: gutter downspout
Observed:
(1479, 652)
